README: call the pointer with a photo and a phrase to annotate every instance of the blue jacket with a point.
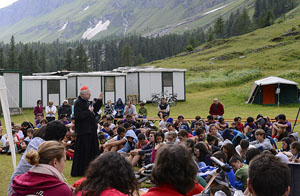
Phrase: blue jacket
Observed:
(120, 106)
(23, 165)
(129, 146)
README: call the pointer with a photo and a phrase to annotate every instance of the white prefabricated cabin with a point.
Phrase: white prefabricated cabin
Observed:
(112, 84)
(44, 88)
(146, 81)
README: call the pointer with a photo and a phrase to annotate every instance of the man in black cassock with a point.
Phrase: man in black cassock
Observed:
(86, 145)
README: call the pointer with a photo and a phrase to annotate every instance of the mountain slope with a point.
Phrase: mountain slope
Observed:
(67, 20)
(223, 63)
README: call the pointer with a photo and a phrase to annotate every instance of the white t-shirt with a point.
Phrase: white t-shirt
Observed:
(162, 124)
(3, 142)
(20, 134)
(48, 109)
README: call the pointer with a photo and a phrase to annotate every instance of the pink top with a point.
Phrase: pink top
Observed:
(107, 192)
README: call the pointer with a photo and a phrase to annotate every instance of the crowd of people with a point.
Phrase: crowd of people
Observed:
(106, 149)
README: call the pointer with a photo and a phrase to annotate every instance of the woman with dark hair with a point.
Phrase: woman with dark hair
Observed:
(110, 174)
(229, 150)
(174, 172)
(38, 109)
(202, 154)
(286, 142)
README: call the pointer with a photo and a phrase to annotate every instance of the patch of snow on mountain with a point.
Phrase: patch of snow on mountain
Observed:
(91, 32)
(86, 8)
(63, 27)
(214, 10)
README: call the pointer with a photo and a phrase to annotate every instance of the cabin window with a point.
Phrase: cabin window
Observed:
(109, 84)
(53, 86)
(168, 79)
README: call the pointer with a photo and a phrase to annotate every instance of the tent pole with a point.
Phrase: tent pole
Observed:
(6, 114)
(278, 95)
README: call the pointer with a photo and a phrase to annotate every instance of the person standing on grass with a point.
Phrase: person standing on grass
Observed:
(86, 145)
(216, 109)
(50, 112)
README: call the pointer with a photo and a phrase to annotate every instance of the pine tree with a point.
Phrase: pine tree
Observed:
(81, 59)
(12, 61)
(42, 60)
(210, 34)
(127, 55)
(2, 59)
(219, 27)
(68, 60)
(140, 59)
(192, 41)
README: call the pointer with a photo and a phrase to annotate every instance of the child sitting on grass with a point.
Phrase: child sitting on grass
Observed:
(142, 111)
(130, 143)
(117, 142)
(241, 172)
(261, 142)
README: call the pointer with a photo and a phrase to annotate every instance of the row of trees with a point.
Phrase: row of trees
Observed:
(132, 50)
(266, 11)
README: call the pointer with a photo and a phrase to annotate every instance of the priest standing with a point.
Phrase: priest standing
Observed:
(86, 145)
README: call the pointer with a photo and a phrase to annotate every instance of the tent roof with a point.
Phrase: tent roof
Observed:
(274, 80)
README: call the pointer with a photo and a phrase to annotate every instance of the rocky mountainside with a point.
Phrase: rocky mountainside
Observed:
(66, 20)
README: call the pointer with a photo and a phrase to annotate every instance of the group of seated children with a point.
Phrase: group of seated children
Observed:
(235, 144)
(21, 137)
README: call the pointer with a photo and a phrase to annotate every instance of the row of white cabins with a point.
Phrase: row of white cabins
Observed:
(143, 82)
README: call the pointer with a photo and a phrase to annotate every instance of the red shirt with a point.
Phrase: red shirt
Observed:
(167, 190)
(216, 111)
(240, 127)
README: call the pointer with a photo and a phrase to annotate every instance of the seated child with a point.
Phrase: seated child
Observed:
(71, 146)
(143, 153)
(281, 128)
(26, 141)
(142, 111)
(102, 141)
(2, 143)
(42, 123)
(19, 132)
(241, 172)
(200, 135)
(243, 148)
(63, 119)
(261, 142)
(249, 125)
(295, 150)
(141, 141)
(214, 132)
(238, 123)
(130, 143)
(171, 137)
(117, 142)
(221, 125)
